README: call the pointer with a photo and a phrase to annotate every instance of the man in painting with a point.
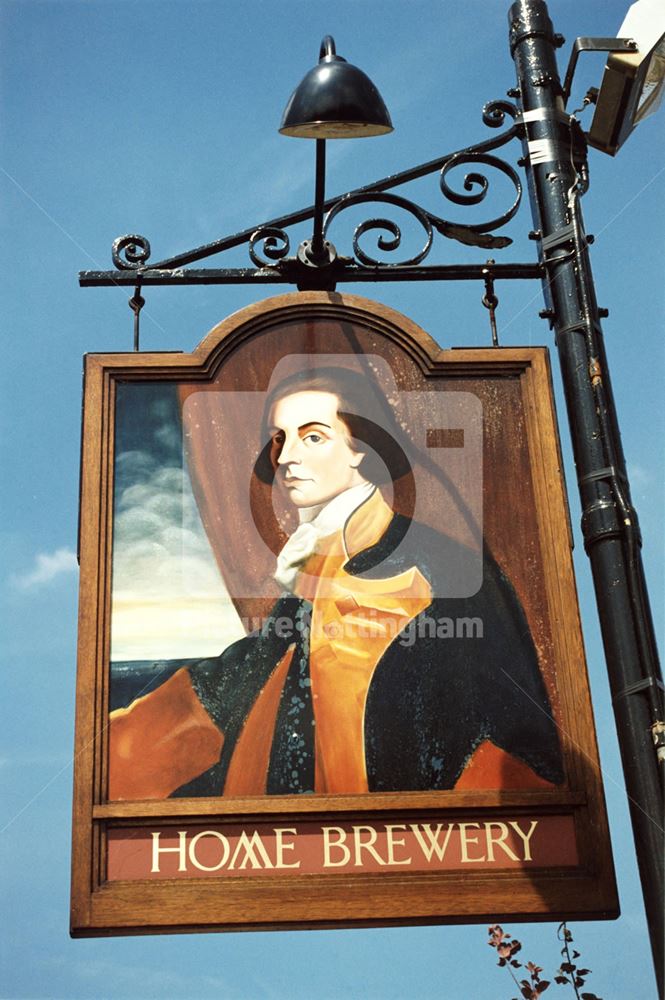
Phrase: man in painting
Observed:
(350, 686)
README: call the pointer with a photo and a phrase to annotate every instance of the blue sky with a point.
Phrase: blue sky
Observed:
(161, 118)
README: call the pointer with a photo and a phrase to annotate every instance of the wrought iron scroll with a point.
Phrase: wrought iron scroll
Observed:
(474, 234)
(269, 244)
(494, 115)
(388, 225)
(480, 181)
(276, 245)
(136, 250)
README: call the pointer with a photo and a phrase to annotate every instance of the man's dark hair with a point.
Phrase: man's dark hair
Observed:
(385, 458)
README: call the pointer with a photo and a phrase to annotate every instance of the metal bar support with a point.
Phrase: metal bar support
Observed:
(292, 218)
(286, 275)
(319, 198)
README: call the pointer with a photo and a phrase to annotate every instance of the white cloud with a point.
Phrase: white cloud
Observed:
(169, 599)
(134, 464)
(47, 566)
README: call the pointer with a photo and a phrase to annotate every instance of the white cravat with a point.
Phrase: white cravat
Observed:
(316, 523)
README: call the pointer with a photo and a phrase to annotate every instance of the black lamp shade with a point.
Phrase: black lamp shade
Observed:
(335, 100)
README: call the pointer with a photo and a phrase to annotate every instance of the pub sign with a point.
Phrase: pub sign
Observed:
(330, 662)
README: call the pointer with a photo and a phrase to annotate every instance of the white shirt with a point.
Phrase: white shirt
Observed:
(316, 523)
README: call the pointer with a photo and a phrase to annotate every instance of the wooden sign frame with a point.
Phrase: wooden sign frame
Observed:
(371, 858)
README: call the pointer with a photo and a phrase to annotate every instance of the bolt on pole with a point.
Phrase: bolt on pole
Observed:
(555, 155)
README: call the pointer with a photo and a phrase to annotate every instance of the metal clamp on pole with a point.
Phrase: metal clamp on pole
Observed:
(648, 682)
(564, 235)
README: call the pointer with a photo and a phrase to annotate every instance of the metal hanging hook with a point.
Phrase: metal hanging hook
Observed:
(136, 304)
(490, 301)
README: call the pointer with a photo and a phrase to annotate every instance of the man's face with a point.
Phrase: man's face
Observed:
(310, 448)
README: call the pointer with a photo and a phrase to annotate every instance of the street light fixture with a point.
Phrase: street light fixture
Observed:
(633, 82)
(335, 100)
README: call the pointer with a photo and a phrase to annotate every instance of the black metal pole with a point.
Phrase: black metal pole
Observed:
(555, 154)
(319, 199)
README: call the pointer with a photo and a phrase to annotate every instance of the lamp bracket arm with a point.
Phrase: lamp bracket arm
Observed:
(132, 252)
(593, 45)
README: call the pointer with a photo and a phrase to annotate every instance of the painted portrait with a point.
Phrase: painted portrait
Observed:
(326, 578)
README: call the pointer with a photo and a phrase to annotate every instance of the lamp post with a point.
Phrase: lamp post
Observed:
(337, 100)
(555, 151)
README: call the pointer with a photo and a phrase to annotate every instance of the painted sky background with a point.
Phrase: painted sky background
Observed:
(161, 118)
(168, 599)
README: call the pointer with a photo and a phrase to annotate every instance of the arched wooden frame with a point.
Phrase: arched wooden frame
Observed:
(526, 523)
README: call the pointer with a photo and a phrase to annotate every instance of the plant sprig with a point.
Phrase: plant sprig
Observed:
(569, 973)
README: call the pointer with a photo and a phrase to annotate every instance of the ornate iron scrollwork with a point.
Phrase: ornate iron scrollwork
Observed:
(388, 245)
(136, 250)
(269, 245)
(494, 113)
(476, 187)
(481, 182)
(276, 245)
